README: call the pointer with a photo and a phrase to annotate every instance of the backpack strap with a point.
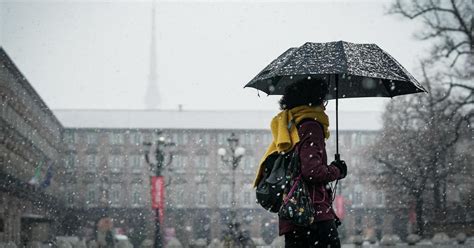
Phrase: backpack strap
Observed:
(292, 190)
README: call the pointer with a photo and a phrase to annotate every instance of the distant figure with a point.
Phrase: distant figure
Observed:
(109, 239)
(303, 107)
(105, 233)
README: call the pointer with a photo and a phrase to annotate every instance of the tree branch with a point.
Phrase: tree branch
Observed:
(395, 170)
(399, 10)
(462, 86)
(454, 48)
(461, 21)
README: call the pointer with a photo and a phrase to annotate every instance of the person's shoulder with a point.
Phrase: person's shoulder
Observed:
(309, 123)
(310, 127)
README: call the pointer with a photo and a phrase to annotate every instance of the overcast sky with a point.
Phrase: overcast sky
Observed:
(95, 55)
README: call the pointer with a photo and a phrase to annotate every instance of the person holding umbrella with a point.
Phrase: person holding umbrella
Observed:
(303, 110)
(306, 76)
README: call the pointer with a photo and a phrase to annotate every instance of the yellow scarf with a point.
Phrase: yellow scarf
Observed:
(285, 133)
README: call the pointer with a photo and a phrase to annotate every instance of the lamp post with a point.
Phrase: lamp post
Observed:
(155, 158)
(232, 159)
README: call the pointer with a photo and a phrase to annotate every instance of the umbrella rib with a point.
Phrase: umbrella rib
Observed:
(386, 88)
(344, 58)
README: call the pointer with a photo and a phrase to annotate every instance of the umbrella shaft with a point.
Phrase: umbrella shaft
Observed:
(336, 79)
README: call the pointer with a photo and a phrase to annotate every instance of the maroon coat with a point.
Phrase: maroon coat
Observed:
(315, 171)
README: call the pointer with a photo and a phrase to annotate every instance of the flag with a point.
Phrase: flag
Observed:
(340, 211)
(47, 179)
(36, 177)
(157, 192)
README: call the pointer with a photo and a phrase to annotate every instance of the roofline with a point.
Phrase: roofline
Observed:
(178, 112)
(20, 78)
(199, 110)
(194, 129)
(111, 129)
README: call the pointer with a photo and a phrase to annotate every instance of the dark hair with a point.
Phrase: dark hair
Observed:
(308, 91)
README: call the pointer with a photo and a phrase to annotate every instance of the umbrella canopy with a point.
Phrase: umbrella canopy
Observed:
(351, 70)
(361, 70)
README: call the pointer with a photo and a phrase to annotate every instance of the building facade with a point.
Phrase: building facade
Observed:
(30, 153)
(108, 176)
(198, 192)
(97, 167)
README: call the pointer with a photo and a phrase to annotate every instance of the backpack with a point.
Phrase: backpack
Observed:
(276, 177)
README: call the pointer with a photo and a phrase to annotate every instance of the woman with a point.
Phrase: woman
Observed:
(303, 123)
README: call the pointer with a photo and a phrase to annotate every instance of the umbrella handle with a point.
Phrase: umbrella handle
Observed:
(337, 157)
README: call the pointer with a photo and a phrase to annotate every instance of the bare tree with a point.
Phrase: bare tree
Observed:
(417, 145)
(397, 150)
(449, 22)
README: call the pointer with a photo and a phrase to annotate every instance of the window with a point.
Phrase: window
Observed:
(146, 137)
(225, 195)
(379, 198)
(70, 162)
(116, 138)
(91, 138)
(222, 138)
(252, 139)
(202, 162)
(91, 162)
(248, 164)
(91, 196)
(182, 138)
(115, 163)
(69, 137)
(179, 163)
(202, 198)
(136, 198)
(136, 195)
(203, 139)
(223, 166)
(179, 197)
(268, 138)
(135, 162)
(257, 138)
(136, 139)
(247, 139)
(115, 195)
(357, 199)
(174, 138)
(364, 139)
(200, 178)
(356, 139)
(71, 195)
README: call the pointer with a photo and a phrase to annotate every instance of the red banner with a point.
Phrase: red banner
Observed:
(161, 215)
(339, 206)
(158, 192)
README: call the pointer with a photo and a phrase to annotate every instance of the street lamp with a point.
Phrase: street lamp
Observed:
(232, 159)
(155, 158)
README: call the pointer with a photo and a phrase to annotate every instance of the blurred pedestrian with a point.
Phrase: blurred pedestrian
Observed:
(105, 233)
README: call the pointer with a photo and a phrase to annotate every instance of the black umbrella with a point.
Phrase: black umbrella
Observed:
(351, 70)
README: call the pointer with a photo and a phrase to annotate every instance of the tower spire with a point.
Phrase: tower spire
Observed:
(152, 98)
